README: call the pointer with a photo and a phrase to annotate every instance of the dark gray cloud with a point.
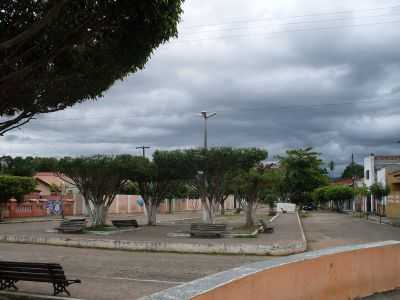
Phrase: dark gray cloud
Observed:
(276, 80)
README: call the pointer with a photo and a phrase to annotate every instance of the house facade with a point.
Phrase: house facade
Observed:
(393, 200)
(44, 201)
(380, 169)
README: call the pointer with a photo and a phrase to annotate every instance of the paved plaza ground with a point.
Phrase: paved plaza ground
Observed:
(288, 230)
(120, 275)
(129, 275)
(324, 230)
(395, 295)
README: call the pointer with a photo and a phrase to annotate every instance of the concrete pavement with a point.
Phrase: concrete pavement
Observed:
(286, 239)
(324, 230)
(129, 275)
(119, 275)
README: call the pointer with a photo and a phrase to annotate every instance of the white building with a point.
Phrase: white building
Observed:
(376, 169)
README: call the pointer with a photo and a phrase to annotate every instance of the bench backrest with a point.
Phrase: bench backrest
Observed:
(131, 222)
(207, 227)
(41, 272)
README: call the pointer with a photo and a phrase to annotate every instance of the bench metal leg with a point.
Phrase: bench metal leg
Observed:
(60, 288)
(8, 284)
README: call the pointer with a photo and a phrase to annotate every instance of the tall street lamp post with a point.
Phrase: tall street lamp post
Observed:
(206, 116)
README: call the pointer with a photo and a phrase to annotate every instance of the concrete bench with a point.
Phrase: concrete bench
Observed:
(207, 230)
(72, 226)
(125, 223)
(266, 227)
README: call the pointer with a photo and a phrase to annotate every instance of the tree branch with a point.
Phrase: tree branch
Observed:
(35, 28)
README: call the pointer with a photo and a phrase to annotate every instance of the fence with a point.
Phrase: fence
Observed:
(127, 204)
(38, 208)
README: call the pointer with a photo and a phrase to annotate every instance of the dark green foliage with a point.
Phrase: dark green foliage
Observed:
(215, 167)
(252, 186)
(379, 191)
(162, 178)
(353, 169)
(130, 188)
(336, 193)
(57, 53)
(303, 174)
(15, 187)
(99, 179)
(27, 166)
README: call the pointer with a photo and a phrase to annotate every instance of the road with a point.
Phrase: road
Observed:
(324, 230)
(129, 275)
(109, 275)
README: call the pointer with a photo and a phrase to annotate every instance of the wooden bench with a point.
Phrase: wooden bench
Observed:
(125, 223)
(266, 228)
(207, 230)
(12, 272)
(72, 225)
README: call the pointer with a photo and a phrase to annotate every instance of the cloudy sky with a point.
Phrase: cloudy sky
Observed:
(279, 74)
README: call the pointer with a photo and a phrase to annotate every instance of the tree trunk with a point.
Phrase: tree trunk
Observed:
(223, 208)
(98, 215)
(250, 209)
(152, 213)
(170, 206)
(2, 207)
(208, 211)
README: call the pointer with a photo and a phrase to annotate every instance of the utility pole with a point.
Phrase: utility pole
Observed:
(143, 149)
(206, 116)
(353, 179)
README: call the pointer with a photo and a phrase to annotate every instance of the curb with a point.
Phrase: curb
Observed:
(25, 296)
(157, 246)
(29, 221)
(303, 236)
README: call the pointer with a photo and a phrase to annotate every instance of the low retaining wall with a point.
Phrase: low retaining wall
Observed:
(342, 273)
(156, 246)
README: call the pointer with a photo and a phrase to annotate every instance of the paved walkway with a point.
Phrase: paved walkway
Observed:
(286, 231)
(120, 275)
(129, 275)
(324, 230)
(394, 295)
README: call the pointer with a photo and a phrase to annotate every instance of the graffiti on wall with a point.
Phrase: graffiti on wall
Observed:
(54, 207)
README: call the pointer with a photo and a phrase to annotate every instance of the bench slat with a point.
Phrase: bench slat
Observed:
(207, 230)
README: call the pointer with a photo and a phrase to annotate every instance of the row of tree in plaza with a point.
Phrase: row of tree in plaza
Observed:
(211, 175)
(338, 194)
(205, 173)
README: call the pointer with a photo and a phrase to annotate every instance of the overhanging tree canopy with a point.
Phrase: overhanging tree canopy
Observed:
(56, 53)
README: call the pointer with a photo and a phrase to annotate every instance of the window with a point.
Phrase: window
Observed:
(367, 174)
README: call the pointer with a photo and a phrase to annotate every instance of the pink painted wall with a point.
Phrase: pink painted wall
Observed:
(342, 276)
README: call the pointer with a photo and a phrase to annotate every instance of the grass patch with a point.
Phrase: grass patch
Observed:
(244, 229)
(102, 228)
(304, 214)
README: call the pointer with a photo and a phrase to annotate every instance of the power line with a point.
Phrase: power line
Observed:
(194, 33)
(304, 106)
(271, 33)
(294, 16)
(269, 105)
